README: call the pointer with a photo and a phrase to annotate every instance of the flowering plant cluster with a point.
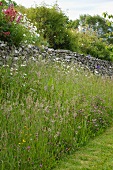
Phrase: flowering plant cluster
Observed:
(32, 34)
(7, 17)
(11, 14)
(15, 28)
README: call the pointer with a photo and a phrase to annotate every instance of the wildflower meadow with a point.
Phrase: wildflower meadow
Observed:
(48, 109)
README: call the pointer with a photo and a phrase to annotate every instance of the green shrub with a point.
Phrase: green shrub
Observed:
(91, 44)
(70, 41)
(51, 22)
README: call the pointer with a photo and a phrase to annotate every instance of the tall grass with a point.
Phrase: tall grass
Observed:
(49, 110)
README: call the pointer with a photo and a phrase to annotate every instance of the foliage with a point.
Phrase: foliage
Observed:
(106, 15)
(97, 23)
(90, 44)
(70, 41)
(15, 28)
(54, 29)
(73, 24)
(86, 43)
(110, 34)
(51, 22)
(62, 33)
(49, 110)
(94, 36)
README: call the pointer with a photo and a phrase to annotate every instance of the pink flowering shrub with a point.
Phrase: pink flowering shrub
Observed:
(8, 18)
(10, 13)
(13, 29)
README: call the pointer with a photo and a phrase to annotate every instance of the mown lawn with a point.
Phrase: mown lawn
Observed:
(97, 155)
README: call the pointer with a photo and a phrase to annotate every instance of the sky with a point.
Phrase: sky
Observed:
(74, 8)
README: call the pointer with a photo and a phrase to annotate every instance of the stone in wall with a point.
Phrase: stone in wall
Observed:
(26, 52)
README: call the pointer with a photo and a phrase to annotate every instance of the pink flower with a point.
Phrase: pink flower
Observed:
(6, 33)
(1, 3)
(28, 147)
(19, 18)
(10, 13)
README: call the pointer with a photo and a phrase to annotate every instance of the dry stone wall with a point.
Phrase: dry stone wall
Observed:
(25, 52)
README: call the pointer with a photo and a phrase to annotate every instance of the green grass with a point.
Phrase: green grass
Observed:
(97, 154)
(49, 110)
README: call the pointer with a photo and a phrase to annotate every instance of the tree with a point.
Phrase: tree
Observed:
(73, 24)
(51, 22)
(110, 35)
(95, 24)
